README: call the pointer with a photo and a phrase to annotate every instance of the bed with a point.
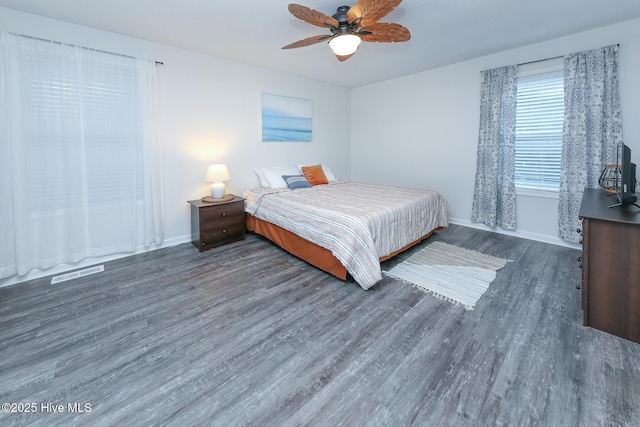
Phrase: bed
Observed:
(345, 227)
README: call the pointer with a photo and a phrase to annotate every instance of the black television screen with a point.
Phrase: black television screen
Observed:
(626, 178)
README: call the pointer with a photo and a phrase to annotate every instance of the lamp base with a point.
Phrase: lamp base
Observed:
(217, 190)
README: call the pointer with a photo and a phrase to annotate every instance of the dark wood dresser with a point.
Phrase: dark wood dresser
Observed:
(610, 265)
(215, 224)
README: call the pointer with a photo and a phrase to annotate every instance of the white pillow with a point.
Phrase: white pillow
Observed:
(263, 180)
(274, 175)
(325, 169)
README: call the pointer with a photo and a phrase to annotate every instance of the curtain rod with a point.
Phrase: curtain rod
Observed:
(549, 59)
(83, 47)
(540, 60)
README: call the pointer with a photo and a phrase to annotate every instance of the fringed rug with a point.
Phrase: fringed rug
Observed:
(451, 273)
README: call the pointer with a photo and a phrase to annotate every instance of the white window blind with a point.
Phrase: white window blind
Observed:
(91, 112)
(539, 122)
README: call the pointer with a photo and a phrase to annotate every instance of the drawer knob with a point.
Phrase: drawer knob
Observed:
(224, 214)
(224, 230)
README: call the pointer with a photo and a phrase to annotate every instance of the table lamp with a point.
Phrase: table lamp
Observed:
(217, 174)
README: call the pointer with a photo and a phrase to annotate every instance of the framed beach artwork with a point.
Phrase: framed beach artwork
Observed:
(286, 119)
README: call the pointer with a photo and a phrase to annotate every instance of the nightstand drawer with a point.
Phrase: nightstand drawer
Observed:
(222, 212)
(222, 232)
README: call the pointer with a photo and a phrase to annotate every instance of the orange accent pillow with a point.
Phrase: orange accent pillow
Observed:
(315, 175)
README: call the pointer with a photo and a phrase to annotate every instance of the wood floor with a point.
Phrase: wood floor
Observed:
(247, 335)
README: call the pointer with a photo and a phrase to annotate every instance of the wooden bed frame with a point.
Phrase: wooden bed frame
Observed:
(307, 251)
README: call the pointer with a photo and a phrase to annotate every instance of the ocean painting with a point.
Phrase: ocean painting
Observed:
(285, 118)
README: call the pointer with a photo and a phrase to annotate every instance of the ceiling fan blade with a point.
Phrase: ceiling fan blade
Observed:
(312, 17)
(307, 42)
(354, 15)
(343, 58)
(384, 32)
(367, 12)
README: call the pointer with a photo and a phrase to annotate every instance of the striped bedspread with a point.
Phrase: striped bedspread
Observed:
(357, 222)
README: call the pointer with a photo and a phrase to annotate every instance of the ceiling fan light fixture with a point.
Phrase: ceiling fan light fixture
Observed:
(345, 44)
(351, 25)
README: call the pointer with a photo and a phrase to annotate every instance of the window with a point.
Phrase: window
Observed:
(79, 159)
(539, 123)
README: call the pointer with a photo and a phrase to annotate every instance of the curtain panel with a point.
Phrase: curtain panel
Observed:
(494, 197)
(592, 129)
(80, 164)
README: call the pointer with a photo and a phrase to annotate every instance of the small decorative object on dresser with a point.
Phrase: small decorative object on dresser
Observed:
(218, 223)
(609, 178)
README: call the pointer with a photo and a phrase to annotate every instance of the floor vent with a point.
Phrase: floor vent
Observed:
(76, 274)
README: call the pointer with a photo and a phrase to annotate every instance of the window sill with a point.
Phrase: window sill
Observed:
(543, 194)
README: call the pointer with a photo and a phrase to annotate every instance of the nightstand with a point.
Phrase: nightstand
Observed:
(215, 224)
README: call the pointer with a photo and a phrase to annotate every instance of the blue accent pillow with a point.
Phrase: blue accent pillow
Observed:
(296, 181)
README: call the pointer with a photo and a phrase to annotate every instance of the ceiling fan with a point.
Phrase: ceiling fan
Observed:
(351, 25)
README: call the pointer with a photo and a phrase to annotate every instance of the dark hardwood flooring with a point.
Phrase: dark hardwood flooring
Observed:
(248, 335)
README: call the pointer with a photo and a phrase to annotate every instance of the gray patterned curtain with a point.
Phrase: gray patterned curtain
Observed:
(494, 196)
(592, 129)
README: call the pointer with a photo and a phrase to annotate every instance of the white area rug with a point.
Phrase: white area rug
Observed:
(449, 272)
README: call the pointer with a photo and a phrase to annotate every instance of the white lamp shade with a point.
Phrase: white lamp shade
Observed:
(345, 44)
(217, 173)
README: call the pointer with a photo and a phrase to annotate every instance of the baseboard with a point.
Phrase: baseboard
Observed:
(522, 234)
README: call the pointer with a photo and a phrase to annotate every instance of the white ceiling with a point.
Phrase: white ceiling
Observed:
(252, 32)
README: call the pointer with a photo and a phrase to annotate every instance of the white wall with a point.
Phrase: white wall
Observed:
(210, 113)
(422, 130)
